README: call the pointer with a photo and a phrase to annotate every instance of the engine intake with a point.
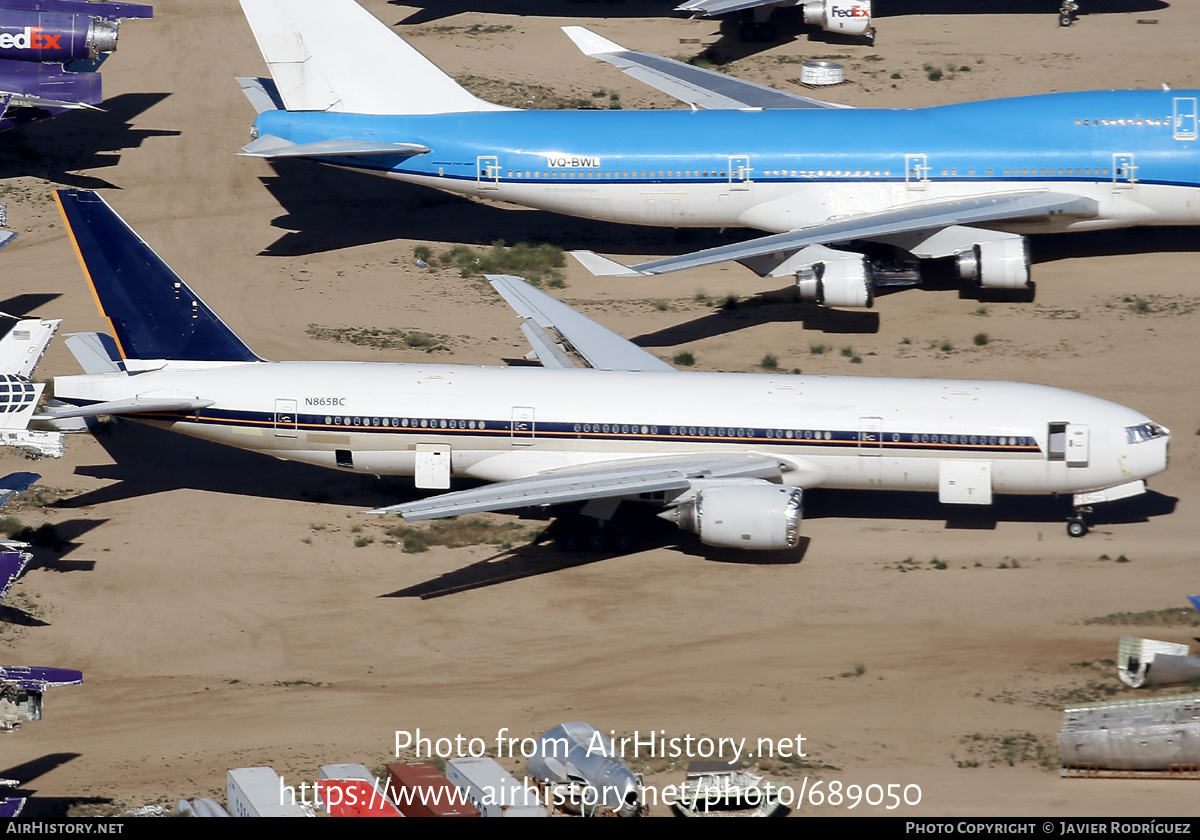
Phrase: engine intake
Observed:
(762, 517)
(1001, 264)
(837, 281)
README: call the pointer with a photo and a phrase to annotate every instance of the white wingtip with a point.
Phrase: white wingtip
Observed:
(603, 266)
(590, 43)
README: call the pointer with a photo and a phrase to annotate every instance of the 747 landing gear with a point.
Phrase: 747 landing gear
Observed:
(1066, 13)
(1077, 526)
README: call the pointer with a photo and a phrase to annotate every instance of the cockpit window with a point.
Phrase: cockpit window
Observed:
(1144, 432)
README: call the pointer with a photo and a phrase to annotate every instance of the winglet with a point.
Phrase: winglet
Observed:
(1195, 599)
(604, 267)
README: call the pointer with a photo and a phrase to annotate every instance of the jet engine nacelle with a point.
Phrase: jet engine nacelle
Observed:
(850, 17)
(838, 279)
(1002, 264)
(754, 516)
(37, 36)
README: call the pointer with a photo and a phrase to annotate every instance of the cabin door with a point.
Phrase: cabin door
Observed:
(1183, 126)
(739, 172)
(522, 425)
(1124, 171)
(487, 172)
(916, 172)
(870, 435)
(285, 418)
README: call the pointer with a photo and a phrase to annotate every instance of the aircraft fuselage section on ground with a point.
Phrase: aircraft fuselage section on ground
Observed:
(501, 424)
(1132, 152)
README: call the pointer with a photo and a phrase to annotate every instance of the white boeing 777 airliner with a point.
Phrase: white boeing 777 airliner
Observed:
(728, 455)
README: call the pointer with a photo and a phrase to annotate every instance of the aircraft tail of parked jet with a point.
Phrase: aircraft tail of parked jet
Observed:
(334, 55)
(154, 315)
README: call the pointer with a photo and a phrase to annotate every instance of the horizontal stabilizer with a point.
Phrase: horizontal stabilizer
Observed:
(696, 86)
(627, 477)
(36, 678)
(95, 352)
(7, 236)
(20, 100)
(15, 483)
(134, 405)
(270, 146)
(24, 344)
(334, 55)
(262, 93)
(909, 217)
(602, 348)
(154, 314)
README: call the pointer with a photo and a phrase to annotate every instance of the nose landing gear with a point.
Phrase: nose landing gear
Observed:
(1077, 526)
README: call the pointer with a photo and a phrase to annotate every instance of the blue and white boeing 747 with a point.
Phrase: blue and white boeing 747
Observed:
(965, 181)
(728, 455)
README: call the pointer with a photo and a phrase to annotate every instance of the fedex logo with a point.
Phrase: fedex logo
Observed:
(32, 38)
(849, 11)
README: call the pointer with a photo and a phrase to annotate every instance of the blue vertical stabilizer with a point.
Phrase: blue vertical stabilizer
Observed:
(154, 314)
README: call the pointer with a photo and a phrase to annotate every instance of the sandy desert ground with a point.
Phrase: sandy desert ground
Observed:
(223, 615)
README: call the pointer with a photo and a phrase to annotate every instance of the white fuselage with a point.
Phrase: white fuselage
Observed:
(506, 423)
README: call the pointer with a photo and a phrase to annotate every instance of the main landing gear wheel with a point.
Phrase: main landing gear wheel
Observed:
(1065, 19)
(1077, 526)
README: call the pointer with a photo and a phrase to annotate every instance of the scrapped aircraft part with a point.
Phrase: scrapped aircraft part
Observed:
(846, 17)
(756, 516)
(1003, 264)
(12, 563)
(24, 345)
(720, 789)
(34, 445)
(584, 760)
(1159, 735)
(21, 690)
(50, 52)
(834, 278)
(822, 73)
(1149, 662)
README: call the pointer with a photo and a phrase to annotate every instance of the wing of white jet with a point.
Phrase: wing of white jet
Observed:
(696, 86)
(6, 236)
(601, 348)
(613, 479)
